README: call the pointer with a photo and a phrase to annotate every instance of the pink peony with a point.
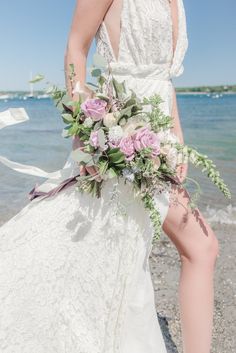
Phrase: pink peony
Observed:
(94, 108)
(144, 138)
(127, 147)
(93, 140)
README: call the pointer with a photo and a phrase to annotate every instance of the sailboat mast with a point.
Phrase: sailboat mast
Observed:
(31, 94)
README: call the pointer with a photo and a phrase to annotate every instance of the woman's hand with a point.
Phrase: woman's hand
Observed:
(77, 143)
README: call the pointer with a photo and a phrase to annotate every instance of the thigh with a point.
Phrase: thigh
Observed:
(187, 228)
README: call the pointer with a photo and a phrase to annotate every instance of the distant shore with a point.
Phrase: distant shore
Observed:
(220, 89)
(203, 92)
(197, 90)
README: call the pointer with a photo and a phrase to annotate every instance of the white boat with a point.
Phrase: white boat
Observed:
(43, 96)
(5, 96)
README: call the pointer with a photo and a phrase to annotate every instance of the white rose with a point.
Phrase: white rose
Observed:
(109, 120)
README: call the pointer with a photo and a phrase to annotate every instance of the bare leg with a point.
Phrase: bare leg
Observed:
(198, 249)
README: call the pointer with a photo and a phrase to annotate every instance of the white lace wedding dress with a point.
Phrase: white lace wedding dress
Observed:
(74, 275)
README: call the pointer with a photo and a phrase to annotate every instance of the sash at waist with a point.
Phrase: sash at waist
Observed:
(156, 72)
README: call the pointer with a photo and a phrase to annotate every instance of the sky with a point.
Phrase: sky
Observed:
(33, 36)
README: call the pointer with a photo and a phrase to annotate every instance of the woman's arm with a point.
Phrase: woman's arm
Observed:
(87, 17)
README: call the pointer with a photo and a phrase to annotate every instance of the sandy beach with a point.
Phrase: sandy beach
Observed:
(165, 268)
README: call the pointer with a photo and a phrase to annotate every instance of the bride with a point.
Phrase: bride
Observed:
(74, 274)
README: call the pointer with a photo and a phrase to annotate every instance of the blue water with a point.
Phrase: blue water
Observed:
(208, 124)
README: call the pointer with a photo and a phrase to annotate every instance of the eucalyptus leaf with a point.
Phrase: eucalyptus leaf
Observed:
(96, 72)
(73, 129)
(111, 173)
(101, 80)
(99, 60)
(113, 150)
(117, 157)
(119, 87)
(37, 78)
(97, 156)
(103, 165)
(126, 112)
(103, 97)
(101, 139)
(79, 156)
(67, 118)
(65, 133)
(91, 84)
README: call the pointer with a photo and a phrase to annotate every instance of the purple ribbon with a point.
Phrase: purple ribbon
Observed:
(33, 194)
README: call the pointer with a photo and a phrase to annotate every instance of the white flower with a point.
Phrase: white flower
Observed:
(88, 122)
(109, 120)
(165, 149)
(172, 158)
(156, 163)
(115, 133)
(166, 136)
(193, 157)
(180, 158)
(127, 173)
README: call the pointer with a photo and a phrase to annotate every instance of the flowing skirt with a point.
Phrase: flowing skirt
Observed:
(74, 272)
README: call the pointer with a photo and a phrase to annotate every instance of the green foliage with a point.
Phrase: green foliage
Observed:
(37, 79)
(202, 161)
(119, 88)
(156, 116)
(154, 214)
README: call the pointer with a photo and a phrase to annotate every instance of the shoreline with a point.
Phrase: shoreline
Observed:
(204, 93)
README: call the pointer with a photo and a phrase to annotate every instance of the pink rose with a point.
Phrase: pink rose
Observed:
(93, 140)
(144, 138)
(127, 147)
(94, 108)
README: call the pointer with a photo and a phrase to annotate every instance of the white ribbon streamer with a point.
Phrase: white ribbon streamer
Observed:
(14, 116)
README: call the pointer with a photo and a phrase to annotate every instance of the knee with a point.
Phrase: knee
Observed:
(204, 252)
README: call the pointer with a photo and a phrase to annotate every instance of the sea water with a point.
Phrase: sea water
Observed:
(209, 124)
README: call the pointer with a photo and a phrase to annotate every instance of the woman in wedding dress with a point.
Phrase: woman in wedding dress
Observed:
(74, 274)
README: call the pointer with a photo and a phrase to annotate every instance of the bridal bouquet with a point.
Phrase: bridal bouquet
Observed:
(123, 139)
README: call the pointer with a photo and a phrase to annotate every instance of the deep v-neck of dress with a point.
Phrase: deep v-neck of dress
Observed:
(117, 58)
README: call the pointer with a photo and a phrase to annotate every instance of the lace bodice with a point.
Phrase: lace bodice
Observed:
(146, 42)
